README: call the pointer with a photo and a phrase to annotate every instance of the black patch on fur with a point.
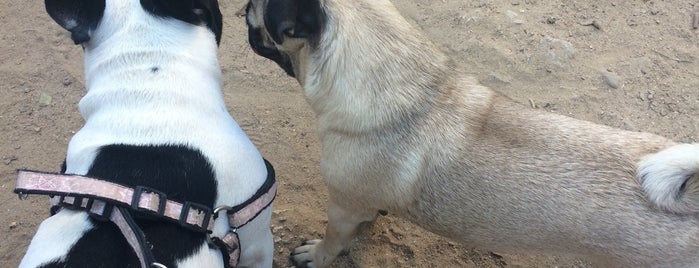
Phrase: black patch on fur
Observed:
(154, 69)
(294, 18)
(103, 246)
(182, 173)
(195, 12)
(80, 17)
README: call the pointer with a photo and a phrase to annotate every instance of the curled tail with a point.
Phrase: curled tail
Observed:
(670, 178)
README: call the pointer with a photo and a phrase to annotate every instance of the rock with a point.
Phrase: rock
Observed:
(67, 82)
(496, 79)
(8, 160)
(556, 51)
(514, 17)
(611, 79)
(45, 99)
(13, 225)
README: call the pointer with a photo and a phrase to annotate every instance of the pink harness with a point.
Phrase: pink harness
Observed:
(110, 201)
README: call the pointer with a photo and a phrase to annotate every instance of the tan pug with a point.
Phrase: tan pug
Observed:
(404, 130)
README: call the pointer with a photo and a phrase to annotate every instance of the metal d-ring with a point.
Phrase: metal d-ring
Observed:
(22, 196)
(221, 208)
(215, 213)
(158, 265)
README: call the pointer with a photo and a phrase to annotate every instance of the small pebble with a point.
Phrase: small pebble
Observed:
(13, 225)
(8, 160)
(45, 99)
(514, 17)
(67, 82)
(611, 79)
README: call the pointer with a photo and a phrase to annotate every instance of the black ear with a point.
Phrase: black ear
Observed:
(80, 17)
(294, 18)
(195, 12)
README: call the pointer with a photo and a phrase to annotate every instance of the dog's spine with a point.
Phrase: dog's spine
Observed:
(670, 178)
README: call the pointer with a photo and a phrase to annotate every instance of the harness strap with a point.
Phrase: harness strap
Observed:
(134, 235)
(190, 215)
(109, 201)
(243, 216)
(122, 218)
(244, 213)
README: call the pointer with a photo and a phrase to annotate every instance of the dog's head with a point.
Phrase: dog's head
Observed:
(282, 30)
(83, 17)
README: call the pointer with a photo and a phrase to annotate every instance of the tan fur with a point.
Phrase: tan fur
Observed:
(403, 129)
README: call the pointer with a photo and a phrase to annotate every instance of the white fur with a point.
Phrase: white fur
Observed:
(206, 257)
(257, 241)
(663, 174)
(55, 237)
(183, 104)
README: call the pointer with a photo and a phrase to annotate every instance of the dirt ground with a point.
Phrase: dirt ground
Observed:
(627, 64)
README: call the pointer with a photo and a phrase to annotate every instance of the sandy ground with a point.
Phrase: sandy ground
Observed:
(627, 64)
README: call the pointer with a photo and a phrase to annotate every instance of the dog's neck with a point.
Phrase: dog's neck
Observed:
(148, 79)
(136, 58)
(365, 76)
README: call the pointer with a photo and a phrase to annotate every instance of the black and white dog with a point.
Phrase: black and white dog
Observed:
(155, 117)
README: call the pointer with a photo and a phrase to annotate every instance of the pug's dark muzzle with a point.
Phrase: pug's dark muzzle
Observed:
(257, 43)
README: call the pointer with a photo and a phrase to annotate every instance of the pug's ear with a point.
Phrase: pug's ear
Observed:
(294, 18)
(80, 17)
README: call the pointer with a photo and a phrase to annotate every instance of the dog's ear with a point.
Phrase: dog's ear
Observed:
(293, 18)
(195, 12)
(80, 17)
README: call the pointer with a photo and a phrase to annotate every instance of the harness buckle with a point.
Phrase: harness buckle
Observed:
(106, 213)
(76, 204)
(184, 215)
(137, 194)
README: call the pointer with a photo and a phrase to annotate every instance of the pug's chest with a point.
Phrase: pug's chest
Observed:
(370, 174)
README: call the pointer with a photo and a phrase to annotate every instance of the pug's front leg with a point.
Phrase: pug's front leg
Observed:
(343, 225)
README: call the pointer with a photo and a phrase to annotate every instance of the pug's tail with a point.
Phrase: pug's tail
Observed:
(670, 178)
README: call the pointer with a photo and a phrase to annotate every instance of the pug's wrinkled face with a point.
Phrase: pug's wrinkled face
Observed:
(281, 29)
